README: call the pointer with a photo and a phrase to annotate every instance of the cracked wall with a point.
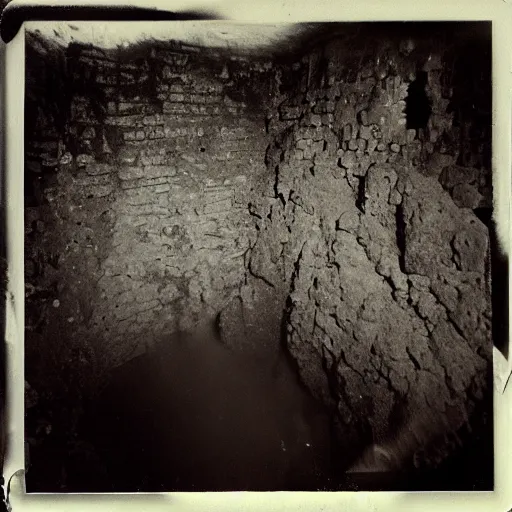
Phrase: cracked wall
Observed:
(371, 241)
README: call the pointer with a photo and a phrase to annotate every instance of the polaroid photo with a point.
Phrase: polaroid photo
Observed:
(257, 256)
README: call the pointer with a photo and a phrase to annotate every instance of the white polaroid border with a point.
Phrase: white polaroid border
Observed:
(267, 11)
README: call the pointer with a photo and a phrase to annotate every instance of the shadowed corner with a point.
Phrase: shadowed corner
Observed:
(14, 16)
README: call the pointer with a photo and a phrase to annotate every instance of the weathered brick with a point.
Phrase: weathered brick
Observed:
(149, 159)
(153, 120)
(302, 144)
(208, 87)
(83, 160)
(143, 182)
(233, 133)
(198, 109)
(148, 171)
(129, 108)
(218, 206)
(134, 136)
(177, 88)
(155, 133)
(131, 173)
(176, 97)
(317, 146)
(308, 153)
(197, 98)
(98, 169)
(133, 121)
(176, 132)
(147, 208)
(157, 171)
(290, 112)
(365, 132)
(347, 132)
(372, 145)
(127, 155)
(85, 180)
(175, 108)
(150, 186)
(99, 191)
(126, 78)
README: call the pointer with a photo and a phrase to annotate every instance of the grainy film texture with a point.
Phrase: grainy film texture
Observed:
(259, 265)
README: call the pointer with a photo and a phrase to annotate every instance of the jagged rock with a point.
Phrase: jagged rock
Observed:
(454, 175)
(466, 196)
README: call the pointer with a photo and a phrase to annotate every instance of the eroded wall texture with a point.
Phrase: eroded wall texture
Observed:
(372, 237)
(143, 191)
(333, 200)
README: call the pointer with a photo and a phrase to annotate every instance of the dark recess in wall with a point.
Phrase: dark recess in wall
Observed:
(418, 106)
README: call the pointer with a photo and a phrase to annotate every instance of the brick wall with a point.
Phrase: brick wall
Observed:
(141, 191)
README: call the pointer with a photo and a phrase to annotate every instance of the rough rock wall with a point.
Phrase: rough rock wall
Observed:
(371, 242)
(138, 175)
(354, 241)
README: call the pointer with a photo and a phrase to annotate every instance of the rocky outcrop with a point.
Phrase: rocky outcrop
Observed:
(388, 297)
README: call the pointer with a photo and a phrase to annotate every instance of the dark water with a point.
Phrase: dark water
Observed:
(195, 416)
(192, 415)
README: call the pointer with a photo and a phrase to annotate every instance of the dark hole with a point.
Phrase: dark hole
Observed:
(400, 235)
(417, 104)
(202, 150)
(484, 214)
(361, 193)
